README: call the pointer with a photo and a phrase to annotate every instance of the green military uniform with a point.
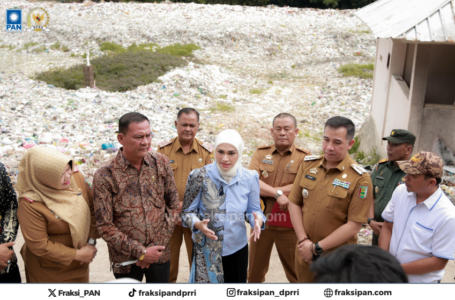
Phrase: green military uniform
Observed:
(385, 178)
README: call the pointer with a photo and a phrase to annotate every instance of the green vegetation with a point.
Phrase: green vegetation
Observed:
(29, 45)
(179, 50)
(120, 72)
(270, 82)
(65, 49)
(39, 49)
(256, 91)
(223, 107)
(356, 145)
(55, 46)
(140, 47)
(112, 47)
(223, 96)
(363, 71)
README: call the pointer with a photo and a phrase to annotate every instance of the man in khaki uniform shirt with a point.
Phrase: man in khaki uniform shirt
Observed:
(277, 166)
(185, 154)
(336, 194)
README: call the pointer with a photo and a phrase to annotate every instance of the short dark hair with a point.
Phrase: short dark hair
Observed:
(358, 264)
(285, 115)
(338, 121)
(131, 117)
(438, 180)
(187, 111)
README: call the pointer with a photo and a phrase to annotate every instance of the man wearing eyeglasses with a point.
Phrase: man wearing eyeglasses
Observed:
(136, 204)
(185, 153)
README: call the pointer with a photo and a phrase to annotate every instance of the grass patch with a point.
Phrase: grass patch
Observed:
(112, 47)
(55, 46)
(358, 53)
(29, 45)
(223, 96)
(148, 46)
(116, 73)
(65, 49)
(256, 91)
(270, 82)
(39, 49)
(223, 107)
(179, 50)
(363, 71)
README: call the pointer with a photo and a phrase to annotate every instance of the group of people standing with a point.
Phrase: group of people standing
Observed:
(145, 203)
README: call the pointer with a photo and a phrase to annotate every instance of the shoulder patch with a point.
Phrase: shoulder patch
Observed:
(358, 169)
(304, 150)
(207, 146)
(164, 143)
(312, 157)
(264, 146)
(383, 161)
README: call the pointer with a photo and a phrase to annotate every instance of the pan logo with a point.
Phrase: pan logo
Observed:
(14, 20)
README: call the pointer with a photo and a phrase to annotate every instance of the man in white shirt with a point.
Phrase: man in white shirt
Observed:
(420, 221)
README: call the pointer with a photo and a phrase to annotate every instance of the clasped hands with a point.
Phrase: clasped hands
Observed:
(305, 250)
(86, 254)
(202, 226)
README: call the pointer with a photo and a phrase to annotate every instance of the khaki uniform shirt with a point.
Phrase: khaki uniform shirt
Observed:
(276, 170)
(326, 206)
(182, 164)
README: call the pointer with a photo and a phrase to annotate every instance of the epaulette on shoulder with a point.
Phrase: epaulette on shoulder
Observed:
(312, 157)
(164, 143)
(359, 169)
(383, 161)
(207, 146)
(307, 152)
(264, 146)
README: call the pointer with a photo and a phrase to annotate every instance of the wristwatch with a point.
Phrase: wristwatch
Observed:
(370, 219)
(318, 249)
(278, 193)
(91, 241)
(143, 254)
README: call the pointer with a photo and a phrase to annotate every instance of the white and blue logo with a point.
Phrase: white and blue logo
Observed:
(14, 20)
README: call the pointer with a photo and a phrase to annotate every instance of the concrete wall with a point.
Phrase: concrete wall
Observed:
(441, 75)
(380, 87)
(437, 123)
(397, 116)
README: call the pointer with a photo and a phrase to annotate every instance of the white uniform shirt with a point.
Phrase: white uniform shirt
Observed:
(421, 231)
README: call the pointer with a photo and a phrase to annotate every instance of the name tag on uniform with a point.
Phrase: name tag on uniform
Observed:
(172, 161)
(267, 161)
(379, 177)
(310, 177)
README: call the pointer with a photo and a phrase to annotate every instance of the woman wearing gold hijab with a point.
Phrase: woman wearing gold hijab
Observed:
(56, 217)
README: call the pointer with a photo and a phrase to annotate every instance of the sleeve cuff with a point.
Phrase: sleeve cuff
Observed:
(138, 251)
(447, 256)
(387, 220)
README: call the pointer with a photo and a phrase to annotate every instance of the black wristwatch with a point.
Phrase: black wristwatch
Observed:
(91, 241)
(370, 219)
(318, 249)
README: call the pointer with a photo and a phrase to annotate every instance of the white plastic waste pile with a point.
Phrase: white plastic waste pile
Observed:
(255, 63)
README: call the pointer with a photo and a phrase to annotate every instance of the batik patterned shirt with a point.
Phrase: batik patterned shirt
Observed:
(135, 210)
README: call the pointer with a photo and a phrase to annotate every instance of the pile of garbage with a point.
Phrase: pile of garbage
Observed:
(255, 62)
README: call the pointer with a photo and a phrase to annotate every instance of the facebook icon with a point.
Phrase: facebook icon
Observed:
(14, 20)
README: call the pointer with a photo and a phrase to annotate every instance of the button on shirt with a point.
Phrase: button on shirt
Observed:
(421, 231)
(242, 199)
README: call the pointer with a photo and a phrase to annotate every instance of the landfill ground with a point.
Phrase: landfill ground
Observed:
(255, 62)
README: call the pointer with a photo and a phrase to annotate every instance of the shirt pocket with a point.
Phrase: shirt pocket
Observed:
(423, 236)
(309, 185)
(196, 164)
(174, 165)
(291, 174)
(337, 201)
(266, 169)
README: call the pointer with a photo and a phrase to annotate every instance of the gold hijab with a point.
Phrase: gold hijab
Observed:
(40, 173)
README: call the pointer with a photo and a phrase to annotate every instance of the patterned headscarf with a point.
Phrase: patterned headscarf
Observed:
(40, 172)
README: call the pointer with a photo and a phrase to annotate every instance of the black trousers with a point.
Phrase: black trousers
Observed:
(14, 276)
(235, 266)
(156, 273)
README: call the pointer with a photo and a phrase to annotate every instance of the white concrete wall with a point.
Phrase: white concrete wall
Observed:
(380, 87)
(399, 107)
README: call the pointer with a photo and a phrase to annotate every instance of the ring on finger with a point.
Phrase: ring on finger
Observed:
(9, 261)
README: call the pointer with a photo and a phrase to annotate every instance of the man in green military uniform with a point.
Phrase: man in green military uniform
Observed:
(386, 176)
